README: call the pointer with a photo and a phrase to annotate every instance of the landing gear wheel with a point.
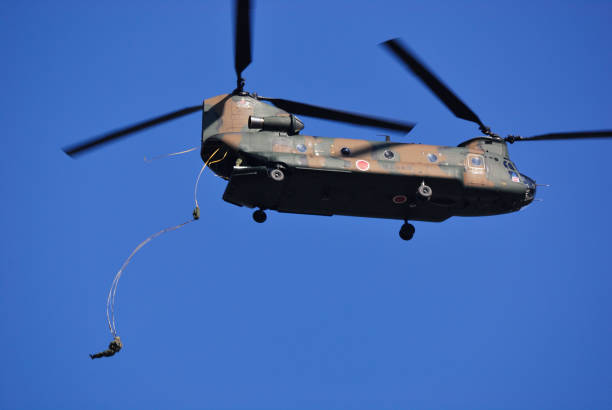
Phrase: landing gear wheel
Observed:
(259, 216)
(424, 192)
(406, 231)
(277, 174)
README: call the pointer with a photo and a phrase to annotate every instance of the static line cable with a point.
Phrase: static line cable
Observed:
(195, 190)
(112, 294)
(116, 344)
(149, 160)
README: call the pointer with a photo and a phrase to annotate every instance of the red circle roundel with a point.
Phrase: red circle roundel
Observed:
(362, 165)
(399, 199)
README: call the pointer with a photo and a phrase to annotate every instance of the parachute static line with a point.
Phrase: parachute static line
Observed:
(149, 160)
(112, 294)
(110, 301)
(195, 190)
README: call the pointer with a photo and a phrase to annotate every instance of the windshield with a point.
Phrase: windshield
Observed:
(508, 164)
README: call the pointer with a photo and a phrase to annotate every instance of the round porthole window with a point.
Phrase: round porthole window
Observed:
(388, 154)
(345, 151)
(432, 157)
(301, 147)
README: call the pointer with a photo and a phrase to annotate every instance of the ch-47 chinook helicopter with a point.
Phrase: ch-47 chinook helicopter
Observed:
(271, 166)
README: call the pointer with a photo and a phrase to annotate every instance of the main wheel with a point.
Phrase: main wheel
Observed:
(406, 231)
(277, 174)
(259, 216)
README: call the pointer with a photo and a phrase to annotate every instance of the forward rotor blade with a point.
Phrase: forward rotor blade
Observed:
(242, 52)
(337, 115)
(96, 142)
(449, 99)
(563, 136)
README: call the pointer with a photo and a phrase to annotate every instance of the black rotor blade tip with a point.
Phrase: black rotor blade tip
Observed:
(574, 135)
(242, 51)
(452, 102)
(337, 115)
(81, 147)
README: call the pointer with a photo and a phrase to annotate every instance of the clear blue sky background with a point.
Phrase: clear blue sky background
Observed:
(301, 312)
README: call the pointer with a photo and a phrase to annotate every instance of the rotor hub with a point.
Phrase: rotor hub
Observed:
(487, 131)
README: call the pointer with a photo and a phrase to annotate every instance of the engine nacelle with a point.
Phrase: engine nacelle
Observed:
(289, 124)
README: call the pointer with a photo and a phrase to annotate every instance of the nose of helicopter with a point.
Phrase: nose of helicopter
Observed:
(530, 190)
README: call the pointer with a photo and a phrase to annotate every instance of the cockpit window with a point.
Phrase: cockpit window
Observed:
(476, 161)
(510, 165)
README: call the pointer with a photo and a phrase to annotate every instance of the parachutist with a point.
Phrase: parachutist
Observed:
(113, 348)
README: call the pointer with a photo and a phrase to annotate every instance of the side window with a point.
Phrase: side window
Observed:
(475, 163)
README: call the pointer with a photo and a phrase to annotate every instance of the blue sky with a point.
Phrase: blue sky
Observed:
(501, 312)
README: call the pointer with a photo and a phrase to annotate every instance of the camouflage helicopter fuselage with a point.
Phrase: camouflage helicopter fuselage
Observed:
(327, 176)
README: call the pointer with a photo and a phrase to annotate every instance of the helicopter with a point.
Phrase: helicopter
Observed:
(270, 165)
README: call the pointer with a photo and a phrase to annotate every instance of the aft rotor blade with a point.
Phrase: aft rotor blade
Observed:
(337, 115)
(96, 142)
(578, 135)
(242, 52)
(449, 98)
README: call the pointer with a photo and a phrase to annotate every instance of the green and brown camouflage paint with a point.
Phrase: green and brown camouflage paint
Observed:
(371, 179)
